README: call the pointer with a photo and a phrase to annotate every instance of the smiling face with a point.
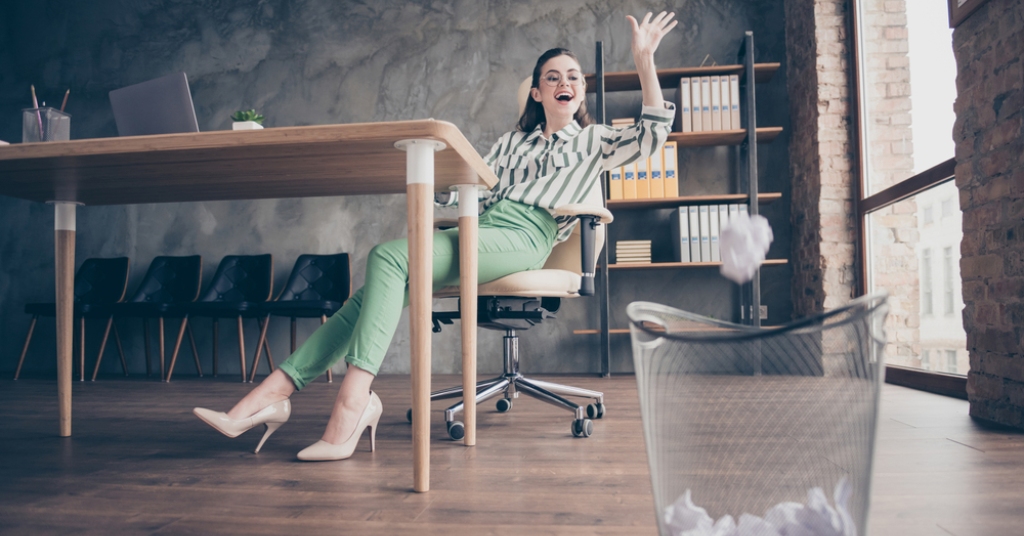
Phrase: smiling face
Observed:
(560, 89)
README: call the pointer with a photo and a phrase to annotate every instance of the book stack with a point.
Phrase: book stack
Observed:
(633, 251)
(696, 230)
(707, 103)
(651, 178)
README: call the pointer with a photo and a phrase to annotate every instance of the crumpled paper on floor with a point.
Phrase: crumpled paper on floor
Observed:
(743, 245)
(816, 518)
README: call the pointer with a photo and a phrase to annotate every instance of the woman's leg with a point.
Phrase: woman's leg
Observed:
(277, 386)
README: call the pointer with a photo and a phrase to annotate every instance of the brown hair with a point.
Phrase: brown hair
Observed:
(533, 114)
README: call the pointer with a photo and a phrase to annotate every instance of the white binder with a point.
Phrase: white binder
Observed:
(705, 234)
(694, 234)
(716, 103)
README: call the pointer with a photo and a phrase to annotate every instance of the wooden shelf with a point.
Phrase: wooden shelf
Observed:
(669, 78)
(670, 202)
(722, 137)
(677, 265)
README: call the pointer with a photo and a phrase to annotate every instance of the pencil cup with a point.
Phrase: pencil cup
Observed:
(45, 124)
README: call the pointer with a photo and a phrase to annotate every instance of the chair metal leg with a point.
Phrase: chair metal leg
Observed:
(81, 349)
(544, 395)
(241, 346)
(145, 346)
(330, 373)
(481, 396)
(215, 330)
(455, 392)
(568, 390)
(160, 339)
(24, 348)
(103, 346)
(120, 349)
(260, 343)
(177, 347)
(195, 352)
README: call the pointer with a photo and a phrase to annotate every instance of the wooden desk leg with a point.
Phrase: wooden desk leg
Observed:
(419, 181)
(468, 252)
(64, 253)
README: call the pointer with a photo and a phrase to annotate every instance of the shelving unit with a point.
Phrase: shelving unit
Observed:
(745, 139)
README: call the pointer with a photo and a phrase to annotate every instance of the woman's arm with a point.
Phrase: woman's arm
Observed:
(646, 38)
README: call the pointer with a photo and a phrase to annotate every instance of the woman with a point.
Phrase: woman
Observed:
(554, 158)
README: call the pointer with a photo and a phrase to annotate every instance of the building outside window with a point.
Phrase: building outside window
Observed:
(926, 281)
(948, 275)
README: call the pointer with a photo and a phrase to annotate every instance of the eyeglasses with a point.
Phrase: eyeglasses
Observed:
(555, 79)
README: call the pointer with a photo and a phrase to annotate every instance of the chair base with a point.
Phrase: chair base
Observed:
(510, 383)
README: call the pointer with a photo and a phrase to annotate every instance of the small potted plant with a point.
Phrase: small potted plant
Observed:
(247, 120)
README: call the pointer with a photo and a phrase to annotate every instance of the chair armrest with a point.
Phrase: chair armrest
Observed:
(602, 214)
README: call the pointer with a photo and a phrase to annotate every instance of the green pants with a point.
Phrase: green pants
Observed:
(513, 237)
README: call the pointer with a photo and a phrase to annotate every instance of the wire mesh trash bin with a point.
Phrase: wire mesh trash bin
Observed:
(767, 430)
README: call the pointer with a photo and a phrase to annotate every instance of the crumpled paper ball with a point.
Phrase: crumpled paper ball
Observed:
(743, 245)
(816, 518)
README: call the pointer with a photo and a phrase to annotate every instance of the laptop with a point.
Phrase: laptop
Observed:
(159, 106)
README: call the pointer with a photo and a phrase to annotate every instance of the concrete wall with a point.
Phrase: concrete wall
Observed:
(307, 62)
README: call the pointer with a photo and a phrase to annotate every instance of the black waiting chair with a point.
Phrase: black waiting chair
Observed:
(317, 287)
(169, 282)
(240, 285)
(98, 283)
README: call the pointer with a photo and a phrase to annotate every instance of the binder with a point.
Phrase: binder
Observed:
(734, 100)
(713, 231)
(643, 181)
(685, 123)
(615, 184)
(743, 210)
(705, 102)
(681, 234)
(734, 212)
(669, 163)
(726, 109)
(629, 181)
(705, 234)
(694, 234)
(698, 125)
(723, 217)
(654, 167)
(716, 103)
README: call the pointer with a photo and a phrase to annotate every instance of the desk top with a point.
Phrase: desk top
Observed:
(311, 161)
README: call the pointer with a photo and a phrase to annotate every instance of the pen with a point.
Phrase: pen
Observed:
(65, 103)
(35, 104)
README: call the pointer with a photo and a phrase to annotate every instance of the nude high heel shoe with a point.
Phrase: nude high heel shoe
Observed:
(322, 451)
(272, 416)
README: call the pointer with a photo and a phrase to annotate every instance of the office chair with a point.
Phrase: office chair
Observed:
(524, 299)
(168, 282)
(317, 287)
(98, 282)
(241, 284)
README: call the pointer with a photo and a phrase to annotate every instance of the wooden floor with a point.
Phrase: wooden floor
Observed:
(140, 463)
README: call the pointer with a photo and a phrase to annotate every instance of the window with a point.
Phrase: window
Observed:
(947, 281)
(908, 205)
(926, 282)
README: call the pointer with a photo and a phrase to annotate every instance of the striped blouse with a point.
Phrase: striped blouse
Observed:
(566, 169)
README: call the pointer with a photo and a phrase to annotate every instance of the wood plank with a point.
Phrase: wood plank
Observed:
(313, 161)
(722, 137)
(679, 265)
(629, 81)
(670, 202)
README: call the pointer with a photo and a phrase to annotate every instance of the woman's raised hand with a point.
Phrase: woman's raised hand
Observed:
(647, 34)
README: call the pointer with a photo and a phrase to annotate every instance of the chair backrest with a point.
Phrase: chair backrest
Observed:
(241, 278)
(171, 280)
(102, 280)
(319, 278)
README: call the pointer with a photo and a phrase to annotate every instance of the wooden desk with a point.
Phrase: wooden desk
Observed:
(273, 163)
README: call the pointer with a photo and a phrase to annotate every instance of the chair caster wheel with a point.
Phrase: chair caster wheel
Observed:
(408, 415)
(582, 428)
(456, 430)
(503, 405)
(595, 411)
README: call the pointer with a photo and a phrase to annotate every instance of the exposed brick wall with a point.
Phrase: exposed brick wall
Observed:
(989, 138)
(820, 154)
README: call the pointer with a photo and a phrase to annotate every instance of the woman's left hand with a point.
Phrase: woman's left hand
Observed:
(647, 34)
